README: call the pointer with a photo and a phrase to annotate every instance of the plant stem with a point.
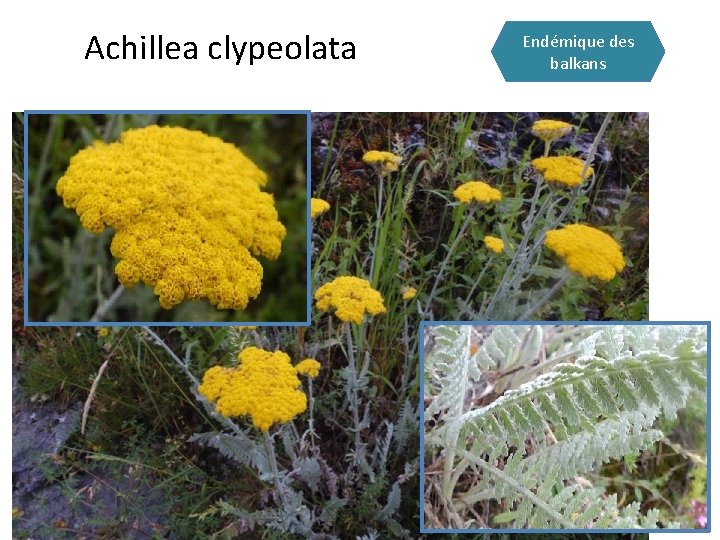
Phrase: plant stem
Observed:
(353, 384)
(522, 490)
(108, 304)
(520, 255)
(272, 461)
(477, 281)
(407, 363)
(311, 420)
(209, 407)
(451, 249)
(531, 214)
(548, 295)
(596, 143)
(378, 217)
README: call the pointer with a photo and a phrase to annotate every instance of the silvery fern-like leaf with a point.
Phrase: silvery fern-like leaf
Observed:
(310, 472)
(498, 347)
(392, 504)
(407, 425)
(572, 397)
(612, 346)
(331, 508)
(588, 348)
(244, 451)
(588, 450)
(446, 370)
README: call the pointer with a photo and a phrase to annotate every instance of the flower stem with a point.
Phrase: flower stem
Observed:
(378, 217)
(519, 256)
(353, 384)
(209, 407)
(107, 305)
(451, 249)
(407, 364)
(272, 461)
(596, 143)
(311, 421)
(545, 299)
(477, 281)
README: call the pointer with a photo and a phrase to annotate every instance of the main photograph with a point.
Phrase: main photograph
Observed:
(314, 431)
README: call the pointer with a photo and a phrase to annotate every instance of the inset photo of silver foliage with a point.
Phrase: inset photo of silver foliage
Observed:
(559, 426)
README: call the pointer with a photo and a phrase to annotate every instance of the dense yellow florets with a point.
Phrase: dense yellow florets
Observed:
(318, 206)
(587, 250)
(549, 130)
(408, 293)
(477, 191)
(564, 170)
(188, 212)
(309, 367)
(494, 244)
(264, 386)
(387, 161)
(351, 298)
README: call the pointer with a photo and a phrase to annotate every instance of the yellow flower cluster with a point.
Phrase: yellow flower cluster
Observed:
(351, 298)
(317, 207)
(550, 130)
(387, 161)
(188, 212)
(408, 293)
(264, 386)
(103, 331)
(477, 191)
(494, 244)
(564, 170)
(587, 251)
(309, 367)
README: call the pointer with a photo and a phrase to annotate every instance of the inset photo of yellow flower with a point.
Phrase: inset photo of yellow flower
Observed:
(156, 218)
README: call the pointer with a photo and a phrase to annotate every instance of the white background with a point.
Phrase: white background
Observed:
(411, 56)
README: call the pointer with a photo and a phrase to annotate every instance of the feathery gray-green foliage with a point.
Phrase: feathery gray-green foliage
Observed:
(597, 399)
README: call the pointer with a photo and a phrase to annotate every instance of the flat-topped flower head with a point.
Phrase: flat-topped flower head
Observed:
(317, 207)
(386, 161)
(478, 192)
(588, 251)
(550, 130)
(494, 244)
(264, 386)
(408, 293)
(351, 298)
(563, 170)
(188, 212)
(308, 367)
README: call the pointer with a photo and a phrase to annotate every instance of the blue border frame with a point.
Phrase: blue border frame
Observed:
(424, 324)
(308, 155)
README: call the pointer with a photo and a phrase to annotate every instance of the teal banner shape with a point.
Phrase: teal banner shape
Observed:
(578, 51)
